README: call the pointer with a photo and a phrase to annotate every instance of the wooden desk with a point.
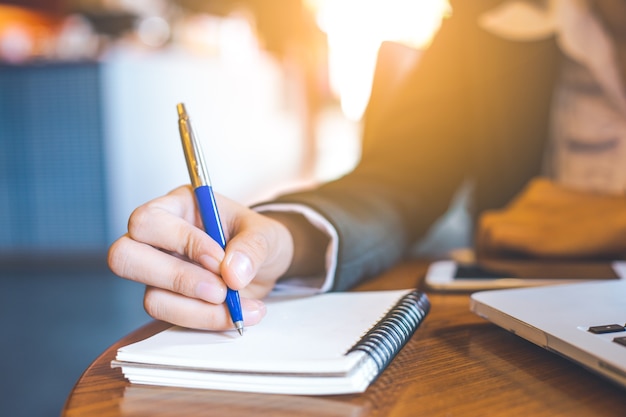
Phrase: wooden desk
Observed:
(457, 364)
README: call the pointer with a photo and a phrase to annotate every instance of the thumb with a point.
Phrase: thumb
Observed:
(245, 255)
(238, 269)
(258, 253)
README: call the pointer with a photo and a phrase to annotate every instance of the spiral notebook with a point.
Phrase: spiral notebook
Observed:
(334, 343)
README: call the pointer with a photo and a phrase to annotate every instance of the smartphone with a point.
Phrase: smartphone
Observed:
(449, 275)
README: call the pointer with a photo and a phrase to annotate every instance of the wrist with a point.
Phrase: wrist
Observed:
(309, 244)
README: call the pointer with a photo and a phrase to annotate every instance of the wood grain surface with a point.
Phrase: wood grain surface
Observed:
(456, 364)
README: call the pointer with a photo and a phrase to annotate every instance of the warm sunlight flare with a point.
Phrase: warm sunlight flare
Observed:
(355, 30)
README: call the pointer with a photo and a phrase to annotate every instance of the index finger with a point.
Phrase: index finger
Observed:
(172, 223)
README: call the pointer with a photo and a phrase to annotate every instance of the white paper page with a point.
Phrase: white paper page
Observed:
(302, 334)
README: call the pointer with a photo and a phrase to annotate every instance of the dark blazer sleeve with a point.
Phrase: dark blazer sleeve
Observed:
(419, 146)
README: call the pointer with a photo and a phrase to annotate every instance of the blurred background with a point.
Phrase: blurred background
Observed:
(88, 131)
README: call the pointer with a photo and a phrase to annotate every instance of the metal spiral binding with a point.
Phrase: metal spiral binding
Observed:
(383, 342)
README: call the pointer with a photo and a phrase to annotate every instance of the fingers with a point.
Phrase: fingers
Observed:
(145, 264)
(239, 269)
(561, 224)
(162, 240)
(498, 234)
(245, 255)
(197, 314)
(171, 223)
(186, 272)
(485, 241)
(261, 249)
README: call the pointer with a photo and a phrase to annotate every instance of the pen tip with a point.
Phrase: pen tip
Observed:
(239, 327)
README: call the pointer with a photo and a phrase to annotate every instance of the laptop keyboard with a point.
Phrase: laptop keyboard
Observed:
(606, 328)
(610, 328)
(620, 341)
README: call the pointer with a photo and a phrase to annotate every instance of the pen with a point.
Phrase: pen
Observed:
(206, 201)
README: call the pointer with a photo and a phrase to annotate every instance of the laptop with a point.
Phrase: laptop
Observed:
(584, 322)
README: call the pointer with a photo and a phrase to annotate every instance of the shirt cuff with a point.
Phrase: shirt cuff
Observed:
(315, 284)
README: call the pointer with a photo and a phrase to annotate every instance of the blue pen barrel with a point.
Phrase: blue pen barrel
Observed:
(213, 227)
(210, 215)
(234, 305)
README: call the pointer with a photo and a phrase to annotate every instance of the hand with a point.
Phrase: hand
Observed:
(186, 272)
(550, 221)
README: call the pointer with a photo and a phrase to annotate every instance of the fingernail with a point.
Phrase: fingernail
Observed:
(210, 263)
(211, 293)
(253, 310)
(241, 265)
